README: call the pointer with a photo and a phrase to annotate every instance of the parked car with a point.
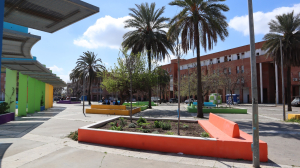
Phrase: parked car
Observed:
(173, 100)
(163, 100)
(187, 100)
(296, 101)
(154, 99)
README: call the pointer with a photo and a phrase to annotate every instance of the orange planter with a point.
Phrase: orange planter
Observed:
(212, 147)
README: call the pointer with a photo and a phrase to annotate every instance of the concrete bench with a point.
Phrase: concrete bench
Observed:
(291, 116)
(235, 143)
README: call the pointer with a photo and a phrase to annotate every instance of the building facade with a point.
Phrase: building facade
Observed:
(237, 60)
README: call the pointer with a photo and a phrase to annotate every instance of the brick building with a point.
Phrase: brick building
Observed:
(237, 60)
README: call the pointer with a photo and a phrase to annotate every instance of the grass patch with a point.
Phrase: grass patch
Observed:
(293, 120)
(74, 135)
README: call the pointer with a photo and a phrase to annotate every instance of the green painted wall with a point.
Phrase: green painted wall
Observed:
(31, 95)
(37, 97)
(22, 95)
(10, 85)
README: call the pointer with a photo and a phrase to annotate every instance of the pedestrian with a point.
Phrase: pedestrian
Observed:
(111, 102)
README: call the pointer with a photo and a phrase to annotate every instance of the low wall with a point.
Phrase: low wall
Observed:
(291, 116)
(111, 109)
(4, 118)
(231, 148)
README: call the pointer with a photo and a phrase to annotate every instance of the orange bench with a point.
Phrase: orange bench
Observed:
(235, 144)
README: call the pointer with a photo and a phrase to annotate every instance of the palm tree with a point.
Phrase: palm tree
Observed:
(287, 27)
(87, 68)
(200, 21)
(148, 35)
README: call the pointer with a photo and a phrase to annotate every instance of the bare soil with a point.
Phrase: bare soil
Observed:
(193, 129)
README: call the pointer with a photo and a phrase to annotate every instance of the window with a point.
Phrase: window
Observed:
(257, 54)
(225, 59)
(214, 71)
(238, 56)
(211, 61)
(218, 59)
(170, 69)
(242, 69)
(167, 69)
(229, 70)
(237, 69)
(225, 70)
(299, 74)
(229, 58)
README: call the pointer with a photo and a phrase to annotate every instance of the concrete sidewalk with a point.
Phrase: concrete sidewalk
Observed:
(40, 141)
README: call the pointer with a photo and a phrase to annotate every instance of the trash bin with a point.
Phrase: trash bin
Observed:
(235, 97)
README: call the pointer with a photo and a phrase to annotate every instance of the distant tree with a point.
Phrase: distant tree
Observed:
(87, 67)
(286, 27)
(200, 21)
(149, 35)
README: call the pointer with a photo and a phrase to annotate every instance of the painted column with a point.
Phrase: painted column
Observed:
(10, 88)
(1, 32)
(276, 78)
(22, 95)
(31, 95)
(37, 99)
(261, 84)
(51, 96)
(42, 84)
(46, 95)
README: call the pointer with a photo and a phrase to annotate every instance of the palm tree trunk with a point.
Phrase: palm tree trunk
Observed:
(149, 65)
(288, 88)
(199, 88)
(89, 95)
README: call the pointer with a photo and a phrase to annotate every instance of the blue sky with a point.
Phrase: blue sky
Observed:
(102, 33)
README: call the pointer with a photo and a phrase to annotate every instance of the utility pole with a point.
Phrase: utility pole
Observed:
(255, 126)
(282, 80)
(189, 84)
(83, 94)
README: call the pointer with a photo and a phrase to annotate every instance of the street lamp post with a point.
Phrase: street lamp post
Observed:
(282, 80)
(255, 126)
(189, 85)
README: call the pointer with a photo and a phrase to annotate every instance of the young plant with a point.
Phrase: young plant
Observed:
(3, 107)
(144, 125)
(141, 120)
(10, 97)
(131, 125)
(170, 133)
(123, 122)
(116, 128)
(157, 124)
(155, 132)
(185, 126)
(166, 125)
(143, 130)
(205, 134)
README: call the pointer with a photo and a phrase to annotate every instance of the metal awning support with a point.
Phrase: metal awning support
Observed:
(33, 69)
(17, 44)
(47, 15)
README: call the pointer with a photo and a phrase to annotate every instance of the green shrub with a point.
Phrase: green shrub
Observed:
(157, 124)
(123, 122)
(155, 132)
(144, 125)
(185, 126)
(4, 107)
(205, 134)
(116, 128)
(131, 125)
(74, 135)
(166, 125)
(170, 133)
(141, 120)
(115, 123)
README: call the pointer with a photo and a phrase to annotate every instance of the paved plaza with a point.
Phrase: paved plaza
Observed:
(40, 140)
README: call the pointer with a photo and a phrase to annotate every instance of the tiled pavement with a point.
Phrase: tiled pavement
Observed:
(40, 141)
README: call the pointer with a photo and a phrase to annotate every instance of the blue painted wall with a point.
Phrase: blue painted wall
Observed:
(15, 27)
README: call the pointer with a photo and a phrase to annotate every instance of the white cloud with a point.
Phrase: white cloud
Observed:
(56, 69)
(65, 78)
(261, 20)
(106, 32)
